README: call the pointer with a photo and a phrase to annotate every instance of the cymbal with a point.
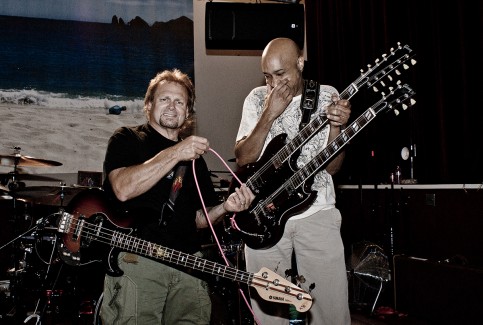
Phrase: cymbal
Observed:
(19, 160)
(47, 195)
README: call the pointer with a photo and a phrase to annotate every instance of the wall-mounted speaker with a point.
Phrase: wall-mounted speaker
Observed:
(250, 26)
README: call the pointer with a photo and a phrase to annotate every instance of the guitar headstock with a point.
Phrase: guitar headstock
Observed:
(272, 287)
(381, 74)
(401, 95)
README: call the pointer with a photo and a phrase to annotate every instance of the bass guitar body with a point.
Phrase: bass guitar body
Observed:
(90, 228)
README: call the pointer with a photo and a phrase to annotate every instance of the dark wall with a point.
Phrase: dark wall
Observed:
(447, 37)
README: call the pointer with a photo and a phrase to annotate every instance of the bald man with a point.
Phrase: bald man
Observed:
(314, 235)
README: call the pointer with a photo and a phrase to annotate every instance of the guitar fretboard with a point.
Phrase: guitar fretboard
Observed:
(145, 248)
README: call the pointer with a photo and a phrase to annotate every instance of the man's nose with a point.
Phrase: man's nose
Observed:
(171, 104)
(276, 81)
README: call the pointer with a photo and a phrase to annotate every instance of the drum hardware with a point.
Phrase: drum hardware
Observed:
(6, 197)
(17, 160)
(40, 224)
(4, 296)
(31, 278)
(7, 178)
(48, 195)
(36, 288)
(51, 298)
(4, 189)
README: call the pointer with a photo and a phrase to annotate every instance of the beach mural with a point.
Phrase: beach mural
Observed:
(73, 71)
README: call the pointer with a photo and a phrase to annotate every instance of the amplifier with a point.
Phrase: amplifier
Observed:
(250, 26)
(439, 292)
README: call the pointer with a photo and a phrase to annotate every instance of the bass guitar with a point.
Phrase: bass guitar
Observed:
(86, 221)
(262, 225)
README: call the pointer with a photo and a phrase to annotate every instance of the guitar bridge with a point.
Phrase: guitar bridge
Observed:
(64, 223)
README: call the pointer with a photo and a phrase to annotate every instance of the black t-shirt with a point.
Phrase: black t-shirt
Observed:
(130, 146)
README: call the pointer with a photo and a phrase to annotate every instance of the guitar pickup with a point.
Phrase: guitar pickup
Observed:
(78, 228)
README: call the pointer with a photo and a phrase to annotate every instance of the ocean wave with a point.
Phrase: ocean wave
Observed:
(62, 100)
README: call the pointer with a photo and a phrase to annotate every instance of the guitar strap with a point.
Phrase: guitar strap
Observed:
(309, 101)
(167, 210)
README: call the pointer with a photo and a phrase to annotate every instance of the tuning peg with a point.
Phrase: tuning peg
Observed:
(389, 77)
(398, 82)
(404, 106)
(311, 287)
(405, 66)
(413, 101)
(396, 112)
(398, 72)
(301, 279)
(383, 84)
(413, 62)
(374, 88)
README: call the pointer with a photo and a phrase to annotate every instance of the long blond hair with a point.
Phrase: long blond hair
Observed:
(174, 75)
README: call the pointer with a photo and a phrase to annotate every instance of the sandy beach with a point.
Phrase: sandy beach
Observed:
(76, 137)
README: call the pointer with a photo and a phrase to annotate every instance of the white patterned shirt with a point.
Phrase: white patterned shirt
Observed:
(288, 123)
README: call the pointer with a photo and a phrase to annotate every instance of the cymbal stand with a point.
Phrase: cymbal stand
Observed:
(62, 195)
(14, 185)
(40, 316)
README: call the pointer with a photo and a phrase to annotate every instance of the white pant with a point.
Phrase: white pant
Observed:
(320, 259)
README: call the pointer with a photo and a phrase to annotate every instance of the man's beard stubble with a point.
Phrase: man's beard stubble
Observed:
(169, 125)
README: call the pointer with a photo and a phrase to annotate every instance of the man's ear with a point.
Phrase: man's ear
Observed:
(300, 63)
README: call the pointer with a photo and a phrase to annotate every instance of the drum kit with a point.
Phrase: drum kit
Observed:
(37, 285)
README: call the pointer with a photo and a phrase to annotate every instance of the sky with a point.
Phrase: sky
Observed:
(99, 10)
